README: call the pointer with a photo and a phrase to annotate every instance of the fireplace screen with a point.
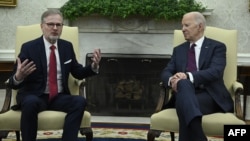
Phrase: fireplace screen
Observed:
(127, 84)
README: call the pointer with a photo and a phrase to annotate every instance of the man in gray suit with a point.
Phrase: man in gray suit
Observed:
(198, 91)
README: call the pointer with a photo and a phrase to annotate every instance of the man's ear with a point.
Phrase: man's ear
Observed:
(201, 27)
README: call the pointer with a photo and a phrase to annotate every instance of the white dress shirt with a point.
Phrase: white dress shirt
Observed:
(197, 55)
(58, 64)
(197, 50)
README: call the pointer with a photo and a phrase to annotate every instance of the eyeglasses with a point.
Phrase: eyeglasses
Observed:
(52, 25)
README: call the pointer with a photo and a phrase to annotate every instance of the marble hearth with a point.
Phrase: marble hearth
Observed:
(127, 84)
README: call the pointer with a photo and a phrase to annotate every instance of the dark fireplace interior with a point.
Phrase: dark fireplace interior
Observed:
(127, 84)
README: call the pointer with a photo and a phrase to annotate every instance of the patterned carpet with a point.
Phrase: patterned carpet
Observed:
(108, 133)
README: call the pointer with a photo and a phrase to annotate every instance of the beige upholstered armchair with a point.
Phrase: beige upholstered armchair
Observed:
(47, 120)
(213, 124)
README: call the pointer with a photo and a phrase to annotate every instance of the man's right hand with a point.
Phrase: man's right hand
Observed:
(175, 78)
(24, 69)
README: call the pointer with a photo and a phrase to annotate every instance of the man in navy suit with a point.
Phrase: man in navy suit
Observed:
(31, 78)
(201, 91)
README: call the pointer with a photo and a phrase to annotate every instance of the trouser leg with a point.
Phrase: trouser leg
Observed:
(30, 107)
(74, 106)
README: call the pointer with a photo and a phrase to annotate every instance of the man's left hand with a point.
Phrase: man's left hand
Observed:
(96, 58)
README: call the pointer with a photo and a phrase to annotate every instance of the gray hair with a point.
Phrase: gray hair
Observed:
(50, 12)
(199, 18)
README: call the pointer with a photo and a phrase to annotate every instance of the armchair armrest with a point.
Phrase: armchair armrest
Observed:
(8, 94)
(7, 100)
(163, 97)
(82, 84)
(238, 91)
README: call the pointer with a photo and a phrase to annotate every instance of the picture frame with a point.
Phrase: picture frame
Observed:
(8, 3)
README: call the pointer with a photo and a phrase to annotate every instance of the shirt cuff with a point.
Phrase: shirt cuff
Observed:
(190, 76)
(95, 70)
(16, 82)
(169, 83)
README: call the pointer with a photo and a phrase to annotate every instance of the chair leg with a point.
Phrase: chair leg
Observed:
(17, 135)
(87, 132)
(172, 136)
(152, 134)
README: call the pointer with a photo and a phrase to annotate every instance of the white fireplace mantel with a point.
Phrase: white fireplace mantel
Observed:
(132, 35)
(9, 55)
(133, 24)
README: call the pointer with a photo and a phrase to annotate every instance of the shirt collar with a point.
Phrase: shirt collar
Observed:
(199, 42)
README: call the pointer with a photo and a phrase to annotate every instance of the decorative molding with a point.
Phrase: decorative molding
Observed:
(9, 55)
(101, 24)
(243, 59)
(208, 12)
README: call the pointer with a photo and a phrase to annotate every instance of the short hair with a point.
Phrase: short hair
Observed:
(199, 18)
(50, 12)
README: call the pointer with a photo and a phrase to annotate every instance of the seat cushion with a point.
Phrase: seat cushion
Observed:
(213, 124)
(48, 120)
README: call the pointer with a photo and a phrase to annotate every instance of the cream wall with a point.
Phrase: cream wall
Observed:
(229, 14)
(26, 12)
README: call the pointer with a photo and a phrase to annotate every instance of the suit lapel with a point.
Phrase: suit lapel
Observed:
(203, 53)
(185, 56)
(61, 52)
(43, 56)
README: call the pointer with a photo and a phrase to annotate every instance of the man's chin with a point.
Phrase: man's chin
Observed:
(53, 38)
(186, 38)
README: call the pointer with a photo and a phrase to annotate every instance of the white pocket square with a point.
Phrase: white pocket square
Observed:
(68, 61)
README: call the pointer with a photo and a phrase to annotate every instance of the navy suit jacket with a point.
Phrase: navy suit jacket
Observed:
(212, 62)
(35, 83)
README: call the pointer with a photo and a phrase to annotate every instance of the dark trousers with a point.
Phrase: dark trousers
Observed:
(31, 105)
(190, 105)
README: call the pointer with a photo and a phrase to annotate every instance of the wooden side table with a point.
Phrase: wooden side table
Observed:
(243, 76)
(6, 68)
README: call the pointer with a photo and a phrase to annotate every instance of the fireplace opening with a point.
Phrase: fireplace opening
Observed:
(127, 84)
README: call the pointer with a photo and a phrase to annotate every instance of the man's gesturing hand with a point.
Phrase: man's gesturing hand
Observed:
(24, 69)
